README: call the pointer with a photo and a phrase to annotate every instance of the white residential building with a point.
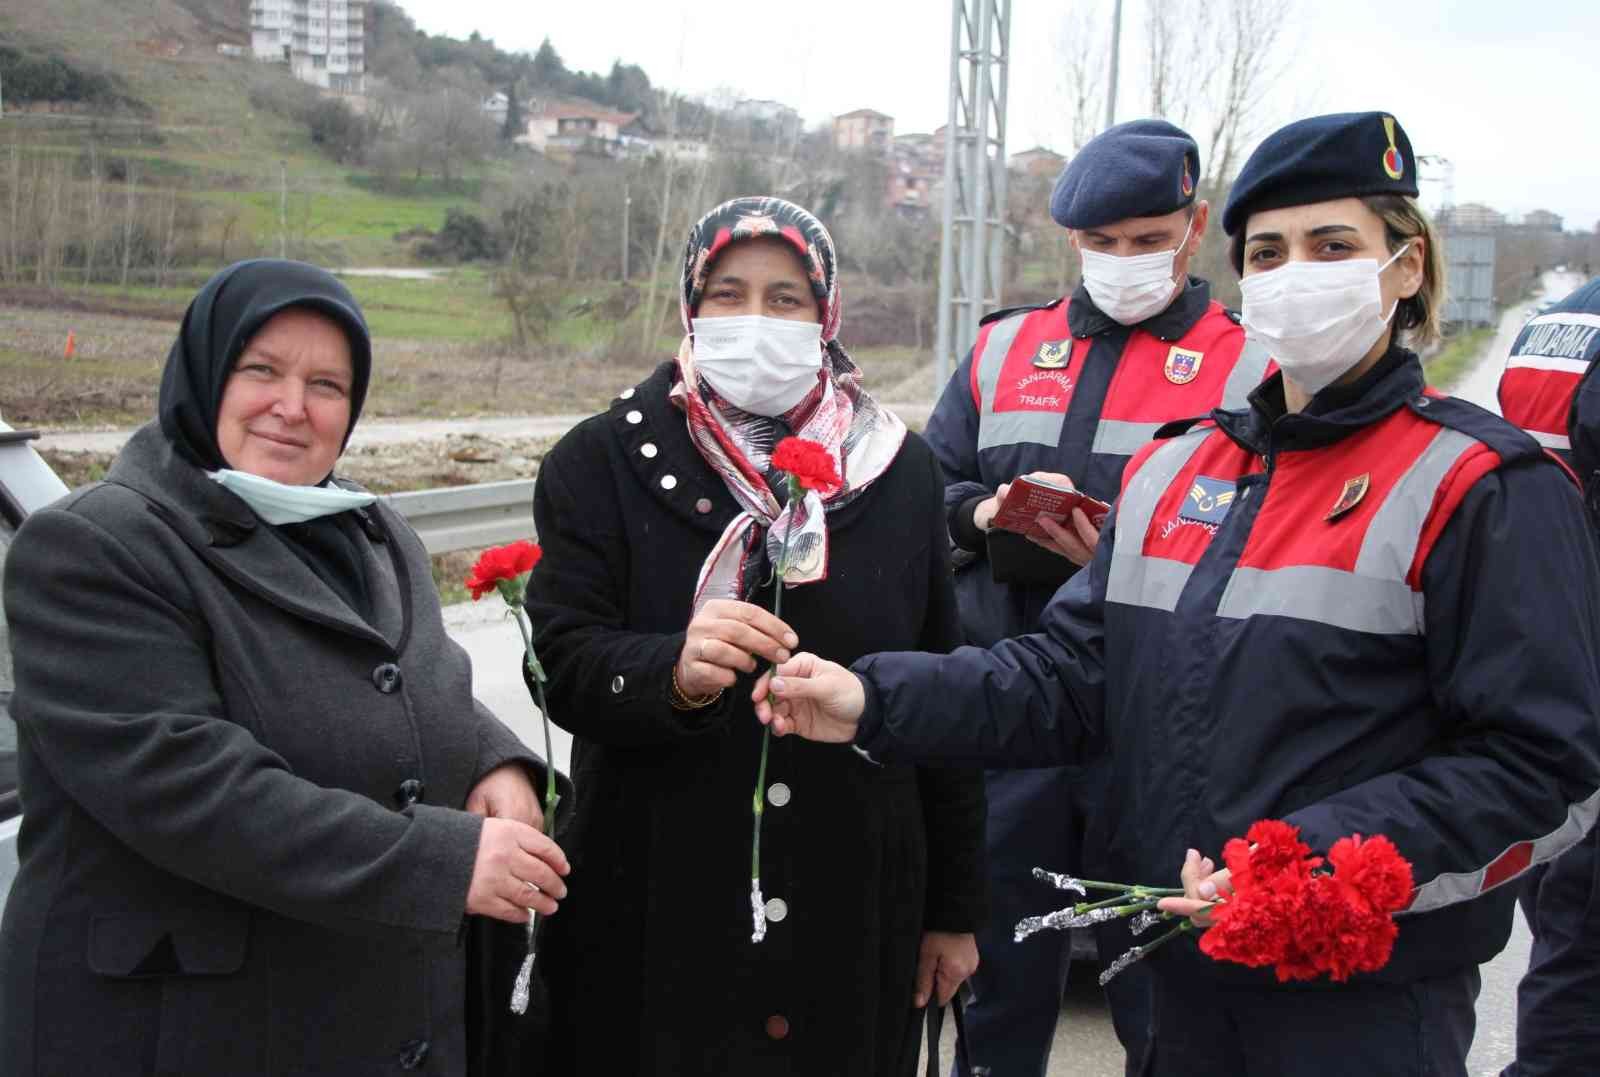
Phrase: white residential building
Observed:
(322, 41)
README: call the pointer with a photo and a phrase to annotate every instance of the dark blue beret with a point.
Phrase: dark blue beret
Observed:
(1322, 158)
(1142, 168)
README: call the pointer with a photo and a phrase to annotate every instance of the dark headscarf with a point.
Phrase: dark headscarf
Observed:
(227, 312)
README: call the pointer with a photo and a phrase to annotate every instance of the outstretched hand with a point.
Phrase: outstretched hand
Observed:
(818, 699)
(1203, 885)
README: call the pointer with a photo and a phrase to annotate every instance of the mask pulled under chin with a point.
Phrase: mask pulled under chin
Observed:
(1317, 319)
(281, 503)
(758, 364)
(1130, 289)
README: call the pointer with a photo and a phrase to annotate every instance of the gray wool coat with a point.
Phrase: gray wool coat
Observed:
(242, 849)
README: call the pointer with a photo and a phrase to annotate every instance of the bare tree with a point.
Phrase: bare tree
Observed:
(1081, 72)
(127, 219)
(93, 217)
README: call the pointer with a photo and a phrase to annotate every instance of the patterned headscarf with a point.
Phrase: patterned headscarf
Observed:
(862, 438)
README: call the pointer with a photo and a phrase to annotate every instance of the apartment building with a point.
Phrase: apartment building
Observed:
(322, 41)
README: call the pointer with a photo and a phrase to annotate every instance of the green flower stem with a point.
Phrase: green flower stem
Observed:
(1126, 888)
(759, 801)
(550, 795)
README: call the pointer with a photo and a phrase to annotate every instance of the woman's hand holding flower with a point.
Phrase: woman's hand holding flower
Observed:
(1202, 885)
(818, 699)
(507, 793)
(727, 638)
(517, 869)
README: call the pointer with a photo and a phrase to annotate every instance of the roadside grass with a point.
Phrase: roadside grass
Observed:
(1456, 358)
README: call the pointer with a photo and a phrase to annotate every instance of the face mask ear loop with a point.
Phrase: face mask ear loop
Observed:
(1388, 317)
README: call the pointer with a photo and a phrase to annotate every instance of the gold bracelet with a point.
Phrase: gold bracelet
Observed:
(681, 700)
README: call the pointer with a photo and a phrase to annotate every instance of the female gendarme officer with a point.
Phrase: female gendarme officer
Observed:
(1353, 605)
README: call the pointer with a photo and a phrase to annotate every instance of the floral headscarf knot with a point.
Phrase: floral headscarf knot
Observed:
(747, 218)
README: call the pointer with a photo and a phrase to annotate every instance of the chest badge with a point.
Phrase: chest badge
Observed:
(1053, 354)
(1183, 365)
(1208, 500)
(1354, 490)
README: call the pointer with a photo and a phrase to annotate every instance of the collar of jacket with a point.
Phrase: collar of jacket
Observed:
(1084, 319)
(1338, 411)
(654, 436)
(221, 528)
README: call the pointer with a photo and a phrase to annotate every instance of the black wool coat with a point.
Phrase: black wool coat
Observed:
(241, 849)
(650, 963)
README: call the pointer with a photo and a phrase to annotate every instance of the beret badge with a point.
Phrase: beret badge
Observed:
(1393, 164)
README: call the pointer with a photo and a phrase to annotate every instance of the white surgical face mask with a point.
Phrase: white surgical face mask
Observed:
(1318, 319)
(281, 503)
(1129, 290)
(762, 365)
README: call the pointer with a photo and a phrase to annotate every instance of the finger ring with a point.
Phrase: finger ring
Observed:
(702, 652)
(529, 886)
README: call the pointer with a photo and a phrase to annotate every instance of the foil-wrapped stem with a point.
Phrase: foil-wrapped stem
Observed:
(1081, 915)
(1139, 953)
(758, 912)
(522, 989)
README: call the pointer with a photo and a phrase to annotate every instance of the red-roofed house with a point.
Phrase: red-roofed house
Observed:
(863, 129)
(574, 125)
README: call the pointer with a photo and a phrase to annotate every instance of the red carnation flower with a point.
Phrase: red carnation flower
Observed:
(808, 463)
(1374, 868)
(498, 563)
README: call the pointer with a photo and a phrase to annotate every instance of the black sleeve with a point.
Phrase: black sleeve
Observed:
(608, 683)
(953, 805)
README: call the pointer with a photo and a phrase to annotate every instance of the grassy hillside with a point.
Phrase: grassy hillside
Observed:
(198, 131)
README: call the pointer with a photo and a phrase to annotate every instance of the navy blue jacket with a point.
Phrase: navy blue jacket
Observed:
(1377, 616)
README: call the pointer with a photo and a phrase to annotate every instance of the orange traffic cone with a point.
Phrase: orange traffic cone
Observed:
(72, 346)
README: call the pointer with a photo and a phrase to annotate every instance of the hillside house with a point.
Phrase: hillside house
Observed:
(863, 129)
(322, 41)
(568, 125)
(1038, 163)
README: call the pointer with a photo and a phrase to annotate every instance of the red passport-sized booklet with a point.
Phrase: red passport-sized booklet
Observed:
(1029, 499)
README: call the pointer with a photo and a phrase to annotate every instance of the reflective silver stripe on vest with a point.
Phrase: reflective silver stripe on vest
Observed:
(1454, 887)
(1009, 427)
(1375, 597)
(1327, 595)
(1245, 375)
(1135, 579)
(1120, 438)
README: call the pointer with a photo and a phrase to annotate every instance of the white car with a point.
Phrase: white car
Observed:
(26, 484)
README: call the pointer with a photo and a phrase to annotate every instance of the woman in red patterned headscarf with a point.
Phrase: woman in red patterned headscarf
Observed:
(661, 521)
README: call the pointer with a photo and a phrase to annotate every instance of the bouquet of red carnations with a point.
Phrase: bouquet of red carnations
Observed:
(1303, 915)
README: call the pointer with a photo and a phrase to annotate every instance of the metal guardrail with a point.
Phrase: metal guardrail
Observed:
(467, 517)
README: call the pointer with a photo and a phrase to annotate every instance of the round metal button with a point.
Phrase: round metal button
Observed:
(777, 794)
(627, 394)
(616, 685)
(635, 417)
(777, 909)
(703, 506)
(386, 678)
(648, 450)
(409, 792)
(777, 1027)
(669, 482)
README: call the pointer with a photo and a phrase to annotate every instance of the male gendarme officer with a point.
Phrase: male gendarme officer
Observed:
(1072, 390)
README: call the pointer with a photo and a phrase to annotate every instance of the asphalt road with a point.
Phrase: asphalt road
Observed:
(1085, 1045)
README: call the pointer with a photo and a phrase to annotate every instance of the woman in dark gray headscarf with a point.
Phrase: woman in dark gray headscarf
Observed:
(259, 798)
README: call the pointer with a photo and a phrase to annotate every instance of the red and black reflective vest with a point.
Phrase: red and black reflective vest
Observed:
(1065, 388)
(1551, 355)
(1380, 616)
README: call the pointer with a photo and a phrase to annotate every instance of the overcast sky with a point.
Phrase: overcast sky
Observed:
(1505, 91)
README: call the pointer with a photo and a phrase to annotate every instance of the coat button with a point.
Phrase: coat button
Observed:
(616, 685)
(627, 394)
(669, 482)
(412, 1054)
(409, 793)
(703, 506)
(648, 450)
(386, 677)
(777, 1027)
(635, 417)
(777, 794)
(777, 909)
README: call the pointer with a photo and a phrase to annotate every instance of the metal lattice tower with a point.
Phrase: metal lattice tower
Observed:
(972, 249)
